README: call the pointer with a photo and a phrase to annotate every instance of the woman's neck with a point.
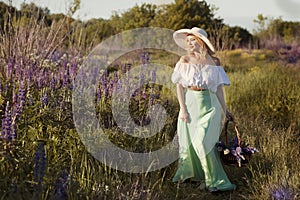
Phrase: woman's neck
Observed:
(196, 57)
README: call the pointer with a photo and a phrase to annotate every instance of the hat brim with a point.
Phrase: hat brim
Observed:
(180, 38)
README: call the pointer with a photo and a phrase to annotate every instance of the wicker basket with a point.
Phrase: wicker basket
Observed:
(228, 152)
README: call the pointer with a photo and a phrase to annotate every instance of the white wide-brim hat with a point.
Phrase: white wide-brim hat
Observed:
(180, 37)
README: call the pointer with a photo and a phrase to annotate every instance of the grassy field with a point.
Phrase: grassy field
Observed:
(42, 156)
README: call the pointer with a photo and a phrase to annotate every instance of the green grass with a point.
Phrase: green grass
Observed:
(264, 97)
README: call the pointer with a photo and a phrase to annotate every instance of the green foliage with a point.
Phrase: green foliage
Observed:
(180, 14)
(184, 14)
(136, 17)
(277, 31)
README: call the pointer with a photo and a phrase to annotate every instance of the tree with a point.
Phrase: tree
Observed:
(184, 14)
(136, 17)
(276, 33)
(96, 30)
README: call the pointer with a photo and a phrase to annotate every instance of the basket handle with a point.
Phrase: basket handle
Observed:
(238, 135)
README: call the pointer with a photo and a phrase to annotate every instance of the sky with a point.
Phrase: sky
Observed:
(234, 12)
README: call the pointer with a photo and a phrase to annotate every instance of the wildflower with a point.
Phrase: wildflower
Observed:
(61, 186)
(151, 99)
(238, 152)
(116, 78)
(220, 146)
(154, 76)
(144, 95)
(30, 98)
(44, 99)
(226, 151)
(65, 78)
(40, 161)
(249, 149)
(142, 79)
(98, 93)
(143, 58)
(52, 83)
(21, 99)
(8, 129)
(283, 193)
(128, 66)
(10, 68)
(6, 123)
(146, 58)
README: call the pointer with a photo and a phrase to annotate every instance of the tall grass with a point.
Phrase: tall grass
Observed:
(47, 160)
(265, 98)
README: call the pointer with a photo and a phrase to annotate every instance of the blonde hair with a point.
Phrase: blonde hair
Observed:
(207, 50)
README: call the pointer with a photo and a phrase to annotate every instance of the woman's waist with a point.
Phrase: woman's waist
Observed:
(196, 88)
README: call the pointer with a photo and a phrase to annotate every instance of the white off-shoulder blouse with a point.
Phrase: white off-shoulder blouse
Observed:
(200, 75)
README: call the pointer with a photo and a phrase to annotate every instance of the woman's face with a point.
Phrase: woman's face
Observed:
(192, 44)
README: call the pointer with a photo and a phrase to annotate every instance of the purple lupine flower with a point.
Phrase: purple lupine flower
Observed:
(65, 79)
(106, 91)
(249, 149)
(144, 95)
(233, 142)
(40, 162)
(142, 80)
(30, 98)
(72, 71)
(17, 71)
(52, 83)
(128, 67)
(13, 133)
(239, 152)
(98, 94)
(143, 58)
(29, 74)
(166, 103)
(119, 85)
(220, 146)
(61, 186)
(44, 99)
(0, 88)
(283, 193)
(54, 57)
(116, 77)
(104, 79)
(21, 99)
(151, 99)
(134, 94)
(39, 81)
(92, 92)
(154, 76)
(6, 123)
(147, 58)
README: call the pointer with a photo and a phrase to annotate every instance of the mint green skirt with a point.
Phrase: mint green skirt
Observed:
(198, 157)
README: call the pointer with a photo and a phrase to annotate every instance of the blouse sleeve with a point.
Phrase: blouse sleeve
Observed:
(223, 78)
(217, 76)
(178, 75)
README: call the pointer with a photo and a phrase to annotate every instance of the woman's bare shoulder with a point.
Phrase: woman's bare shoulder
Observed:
(184, 59)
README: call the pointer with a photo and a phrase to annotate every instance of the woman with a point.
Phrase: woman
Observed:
(200, 82)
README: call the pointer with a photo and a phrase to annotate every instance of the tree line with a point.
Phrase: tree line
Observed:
(176, 15)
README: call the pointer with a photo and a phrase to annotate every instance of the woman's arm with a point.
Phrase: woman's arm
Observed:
(183, 114)
(220, 95)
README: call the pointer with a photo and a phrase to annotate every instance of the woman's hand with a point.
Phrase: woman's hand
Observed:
(184, 116)
(229, 116)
